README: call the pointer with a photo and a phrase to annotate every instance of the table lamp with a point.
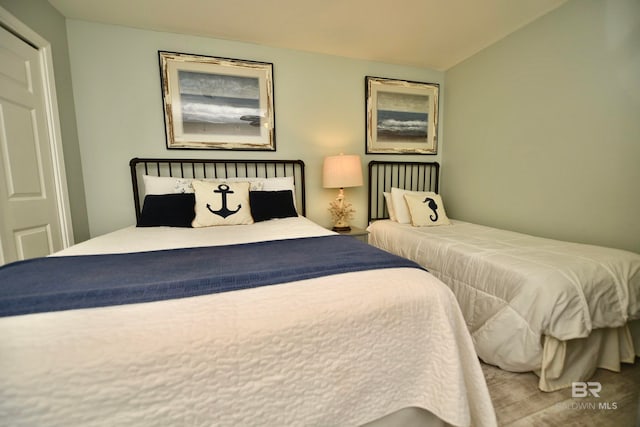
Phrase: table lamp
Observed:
(340, 172)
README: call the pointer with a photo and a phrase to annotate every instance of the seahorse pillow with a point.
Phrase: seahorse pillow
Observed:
(426, 210)
(221, 203)
(400, 208)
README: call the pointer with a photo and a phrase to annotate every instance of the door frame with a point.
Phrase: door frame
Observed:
(52, 118)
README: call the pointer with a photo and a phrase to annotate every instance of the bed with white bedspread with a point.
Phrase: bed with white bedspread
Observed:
(342, 349)
(531, 304)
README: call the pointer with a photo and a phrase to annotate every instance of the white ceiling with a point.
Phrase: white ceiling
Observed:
(433, 34)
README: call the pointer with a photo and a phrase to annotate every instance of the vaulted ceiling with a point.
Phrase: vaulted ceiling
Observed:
(433, 34)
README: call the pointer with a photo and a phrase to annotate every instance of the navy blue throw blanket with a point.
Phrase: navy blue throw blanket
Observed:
(64, 283)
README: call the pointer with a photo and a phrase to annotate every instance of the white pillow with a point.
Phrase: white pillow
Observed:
(400, 207)
(221, 203)
(277, 183)
(390, 208)
(166, 185)
(170, 184)
(256, 185)
(426, 210)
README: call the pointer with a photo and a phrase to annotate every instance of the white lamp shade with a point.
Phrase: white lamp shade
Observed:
(342, 171)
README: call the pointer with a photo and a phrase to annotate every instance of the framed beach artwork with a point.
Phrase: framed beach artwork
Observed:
(217, 103)
(401, 116)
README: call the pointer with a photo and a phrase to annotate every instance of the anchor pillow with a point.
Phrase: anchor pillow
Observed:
(426, 210)
(221, 203)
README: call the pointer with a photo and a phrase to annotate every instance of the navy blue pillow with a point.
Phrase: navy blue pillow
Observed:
(172, 210)
(271, 204)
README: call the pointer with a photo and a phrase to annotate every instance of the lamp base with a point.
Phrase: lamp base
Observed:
(345, 228)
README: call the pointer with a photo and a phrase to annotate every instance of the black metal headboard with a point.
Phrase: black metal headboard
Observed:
(217, 168)
(415, 176)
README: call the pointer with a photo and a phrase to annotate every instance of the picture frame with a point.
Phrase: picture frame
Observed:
(401, 116)
(217, 103)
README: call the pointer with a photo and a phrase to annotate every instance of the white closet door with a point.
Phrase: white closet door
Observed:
(30, 223)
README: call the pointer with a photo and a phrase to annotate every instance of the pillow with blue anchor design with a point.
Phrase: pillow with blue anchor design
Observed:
(426, 210)
(221, 203)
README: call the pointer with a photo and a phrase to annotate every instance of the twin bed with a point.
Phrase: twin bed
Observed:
(531, 304)
(276, 321)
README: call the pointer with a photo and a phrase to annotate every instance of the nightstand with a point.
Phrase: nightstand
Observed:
(359, 233)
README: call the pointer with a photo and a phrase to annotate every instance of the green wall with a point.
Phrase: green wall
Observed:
(319, 109)
(543, 128)
(45, 20)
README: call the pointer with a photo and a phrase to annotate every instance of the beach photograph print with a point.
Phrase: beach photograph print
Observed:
(217, 103)
(401, 116)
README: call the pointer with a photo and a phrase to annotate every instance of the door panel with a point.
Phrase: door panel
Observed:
(30, 221)
(34, 242)
(21, 164)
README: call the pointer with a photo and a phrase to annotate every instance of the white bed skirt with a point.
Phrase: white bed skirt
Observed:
(564, 362)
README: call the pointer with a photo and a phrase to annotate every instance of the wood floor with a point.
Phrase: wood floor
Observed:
(519, 402)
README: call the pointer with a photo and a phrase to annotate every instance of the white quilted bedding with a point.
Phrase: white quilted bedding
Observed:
(335, 351)
(514, 288)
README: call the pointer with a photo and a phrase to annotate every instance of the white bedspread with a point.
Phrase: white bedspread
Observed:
(137, 239)
(514, 288)
(335, 351)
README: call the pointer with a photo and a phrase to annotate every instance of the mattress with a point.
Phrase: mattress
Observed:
(344, 349)
(515, 289)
